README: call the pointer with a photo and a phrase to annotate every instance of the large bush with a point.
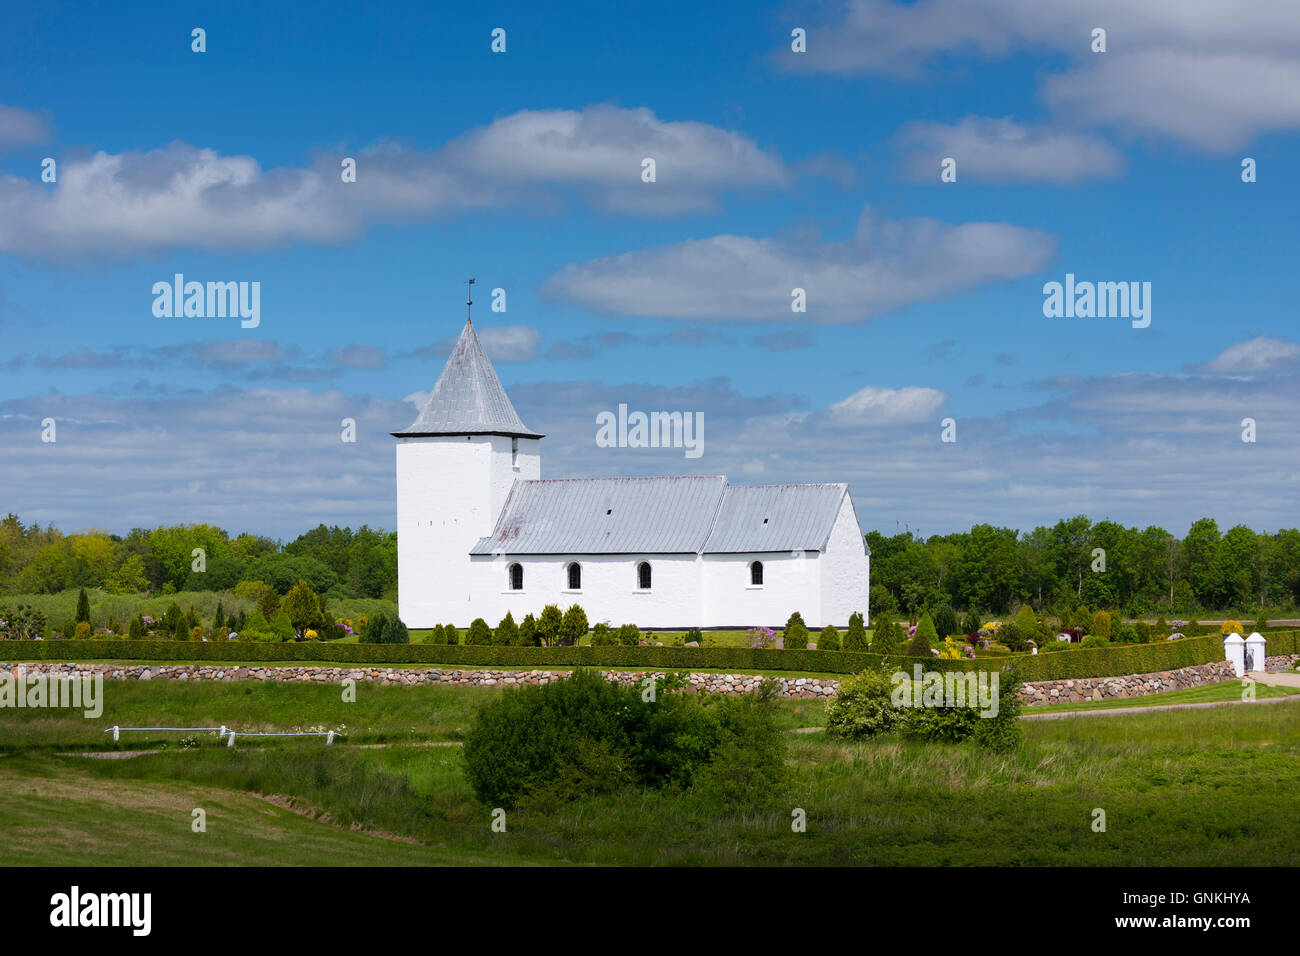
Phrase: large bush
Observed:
(585, 735)
(885, 636)
(861, 707)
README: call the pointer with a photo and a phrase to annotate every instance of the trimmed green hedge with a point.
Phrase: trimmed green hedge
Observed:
(1114, 661)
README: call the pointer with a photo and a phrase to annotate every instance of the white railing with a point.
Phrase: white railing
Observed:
(230, 732)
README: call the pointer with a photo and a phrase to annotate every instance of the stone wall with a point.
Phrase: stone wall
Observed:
(1076, 690)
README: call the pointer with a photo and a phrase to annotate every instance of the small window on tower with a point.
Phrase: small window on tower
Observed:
(756, 574)
(514, 453)
(516, 577)
(643, 575)
(575, 576)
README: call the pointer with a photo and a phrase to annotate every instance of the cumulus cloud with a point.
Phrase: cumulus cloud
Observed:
(888, 406)
(1260, 354)
(1189, 70)
(1000, 150)
(184, 196)
(885, 265)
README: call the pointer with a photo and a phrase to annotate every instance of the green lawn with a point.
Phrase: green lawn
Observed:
(1205, 787)
(1210, 693)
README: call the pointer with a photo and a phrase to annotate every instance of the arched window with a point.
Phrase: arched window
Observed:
(756, 574)
(575, 576)
(643, 575)
(516, 577)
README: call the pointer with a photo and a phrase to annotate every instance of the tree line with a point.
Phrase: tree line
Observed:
(198, 557)
(1078, 562)
(1138, 572)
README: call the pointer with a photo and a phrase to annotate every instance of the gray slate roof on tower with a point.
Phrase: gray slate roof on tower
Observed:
(680, 515)
(468, 398)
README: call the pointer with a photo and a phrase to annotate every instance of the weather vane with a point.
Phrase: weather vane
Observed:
(469, 300)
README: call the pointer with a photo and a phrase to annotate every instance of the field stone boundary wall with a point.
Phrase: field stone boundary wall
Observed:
(1076, 690)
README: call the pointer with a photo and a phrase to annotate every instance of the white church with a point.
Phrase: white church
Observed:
(480, 532)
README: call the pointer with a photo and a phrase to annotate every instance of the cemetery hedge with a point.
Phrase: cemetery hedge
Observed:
(1112, 661)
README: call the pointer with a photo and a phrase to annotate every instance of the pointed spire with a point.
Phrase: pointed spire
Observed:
(468, 398)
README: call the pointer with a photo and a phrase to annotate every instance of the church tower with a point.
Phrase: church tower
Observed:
(456, 464)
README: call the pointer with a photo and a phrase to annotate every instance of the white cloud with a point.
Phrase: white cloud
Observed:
(184, 196)
(888, 406)
(999, 150)
(885, 265)
(1260, 354)
(1197, 70)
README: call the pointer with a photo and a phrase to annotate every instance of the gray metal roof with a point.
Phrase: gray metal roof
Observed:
(687, 515)
(468, 398)
(775, 518)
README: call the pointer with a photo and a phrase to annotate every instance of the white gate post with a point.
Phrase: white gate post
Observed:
(1255, 648)
(1234, 651)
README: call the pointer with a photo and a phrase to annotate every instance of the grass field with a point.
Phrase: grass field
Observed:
(1210, 787)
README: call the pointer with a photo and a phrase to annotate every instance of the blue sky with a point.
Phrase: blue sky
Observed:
(774, 169)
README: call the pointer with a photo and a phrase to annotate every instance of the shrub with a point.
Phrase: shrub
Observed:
(584, 735)
(396, 632)
(629, 635)
(450, 634)
(376, 631)
(828, 639)
(795, 633)
(1000, 731)
(885, 636)
(549, 624)
(925, 628)
(1231, 627)
(528, 632)
(302, 606)
(920, 645)
(282, 627)
(971, 622)
(945, 620)
(479, 633)
(82, 632)
(855, 638)
(693, 634)
(136, 631)
(436, 635)
(1123, 633)
(83, 607)
(1161, 628)
(573, 626)
(1095, 640)
(507, 633)
(1101, 625)
(861, 707)
(602, 635)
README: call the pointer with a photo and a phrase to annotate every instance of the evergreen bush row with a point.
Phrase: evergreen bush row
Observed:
(1112, 661)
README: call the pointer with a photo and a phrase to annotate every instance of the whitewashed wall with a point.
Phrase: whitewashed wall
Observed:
(846, 571)
(608, 593)
(790, 583)
(449, 493)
